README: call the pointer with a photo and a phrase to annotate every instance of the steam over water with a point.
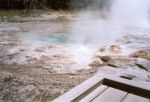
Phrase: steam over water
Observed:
(100, 23)
(104, 21)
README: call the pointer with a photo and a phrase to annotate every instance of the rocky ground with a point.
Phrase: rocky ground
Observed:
(37, 79)
(36, 84)
(134, 66)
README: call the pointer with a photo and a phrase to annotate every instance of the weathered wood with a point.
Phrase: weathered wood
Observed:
(127, 87)
(110, 95)
(94, 94)
(134, 98)
(90, 86)
(80, 91)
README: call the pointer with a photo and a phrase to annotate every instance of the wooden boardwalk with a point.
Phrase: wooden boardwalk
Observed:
(106, 88)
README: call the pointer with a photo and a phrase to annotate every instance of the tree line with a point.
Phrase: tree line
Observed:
(34, 4)
(53, 4)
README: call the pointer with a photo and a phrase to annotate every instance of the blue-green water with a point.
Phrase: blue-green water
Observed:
(47, 38)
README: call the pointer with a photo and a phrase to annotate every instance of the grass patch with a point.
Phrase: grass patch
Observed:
(14, 13)
(1, 64)
(19, 15)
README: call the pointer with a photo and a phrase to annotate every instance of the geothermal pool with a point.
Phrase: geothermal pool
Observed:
(70, 40)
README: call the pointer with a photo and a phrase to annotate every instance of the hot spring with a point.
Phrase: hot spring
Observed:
(82, 32)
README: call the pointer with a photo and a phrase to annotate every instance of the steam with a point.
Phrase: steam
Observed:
(89, 28)
(99, 23)
(105, 21)
(131, 13)
(102, 22)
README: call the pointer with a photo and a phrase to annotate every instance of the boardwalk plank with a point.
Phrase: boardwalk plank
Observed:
(94, 94)
(110, 95)
(81, 90)
(134, 98)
